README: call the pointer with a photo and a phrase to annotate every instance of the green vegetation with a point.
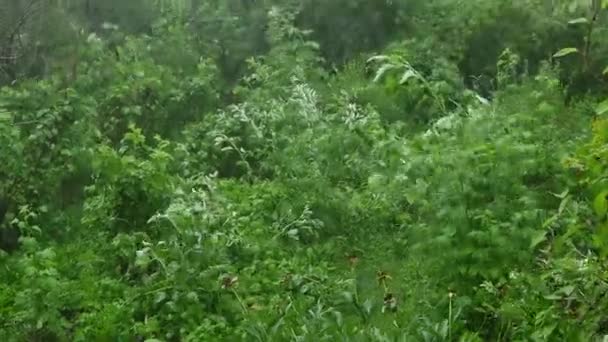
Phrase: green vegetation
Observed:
(282, 170)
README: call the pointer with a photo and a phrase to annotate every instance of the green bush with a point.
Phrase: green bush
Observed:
(303, 171)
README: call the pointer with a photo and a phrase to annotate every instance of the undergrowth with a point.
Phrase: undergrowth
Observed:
(369, 187)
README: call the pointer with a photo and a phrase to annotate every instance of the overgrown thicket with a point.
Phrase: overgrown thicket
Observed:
(281, 170)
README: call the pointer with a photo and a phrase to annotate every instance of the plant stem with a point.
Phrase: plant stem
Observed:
(238, 298)
(450, 317)
(595, 11)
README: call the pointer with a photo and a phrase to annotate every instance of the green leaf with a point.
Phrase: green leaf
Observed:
(562, 195)
(382, 71)
(379, 58)
(600, 205)
(581, 20)
(406, 76)
(567, 290)
(553, 297)
(537, 239)
(602, 108)
(562, 205)
(605, 72)
(565, 52)
(5, 116)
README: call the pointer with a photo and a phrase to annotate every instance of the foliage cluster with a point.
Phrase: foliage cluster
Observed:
(303, 170)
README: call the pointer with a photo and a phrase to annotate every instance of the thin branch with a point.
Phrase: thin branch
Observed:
(595, 11)
(22, 20)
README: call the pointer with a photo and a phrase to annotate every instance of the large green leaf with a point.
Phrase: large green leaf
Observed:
(602, 108)
(565, 52)
(581, 20)
(538, 238)
(600, 204)
(407, 75)
(383, 70)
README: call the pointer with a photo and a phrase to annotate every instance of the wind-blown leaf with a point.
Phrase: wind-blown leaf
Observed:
(482, 100)
(565, 52)
(581, 20)
(537, 239)
(602, 108)
(383, 70)
(379, 58)
(407, 75)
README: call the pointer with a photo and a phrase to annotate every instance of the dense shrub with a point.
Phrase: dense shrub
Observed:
(286, 170)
